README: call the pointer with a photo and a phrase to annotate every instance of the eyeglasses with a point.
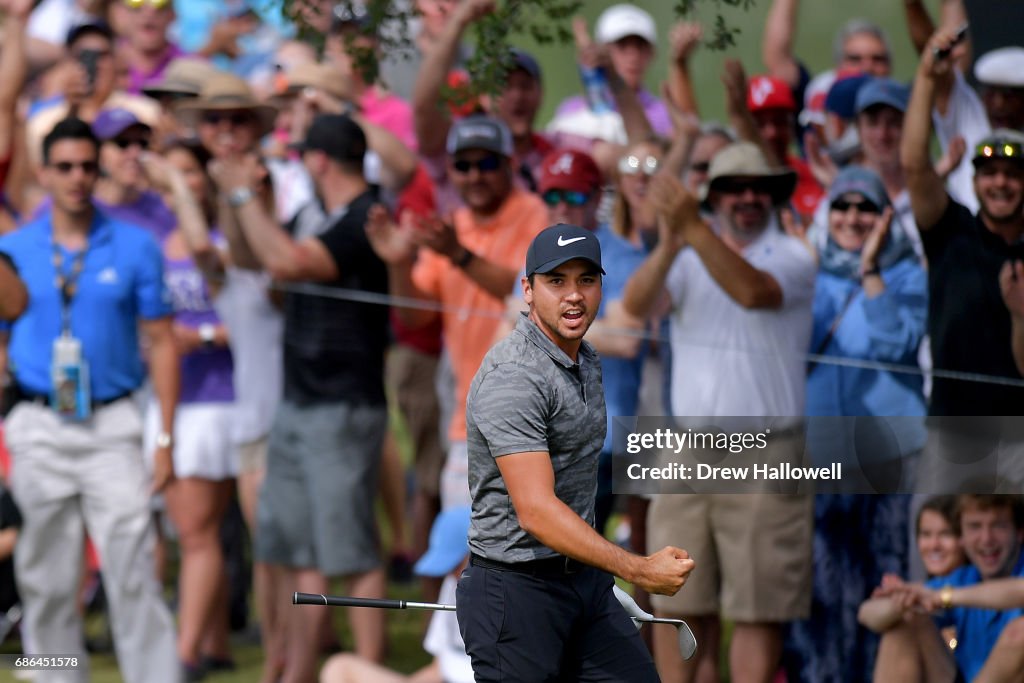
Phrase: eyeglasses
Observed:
(236, 118)
(66, 167)
(632, 165)
(878, 58)
(570, 197)
(999, 149)
(487, 164)
(864, 206)
(138, 4)
(125, 143)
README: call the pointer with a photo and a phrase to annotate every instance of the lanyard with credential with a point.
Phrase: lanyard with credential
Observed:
(67, 284)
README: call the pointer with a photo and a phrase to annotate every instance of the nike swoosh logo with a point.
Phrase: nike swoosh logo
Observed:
(562, 242)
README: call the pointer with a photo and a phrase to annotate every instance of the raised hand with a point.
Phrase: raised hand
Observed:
(875, 241)
(948, 162)
(823, 168)
(1011, 284)
(437, 235)
(942, 39)
(469, 11)
(683, 122)
(683, 39)
(17, 8)
(794, 227)
(392, 243)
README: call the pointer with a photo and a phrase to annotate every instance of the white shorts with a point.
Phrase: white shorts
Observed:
(203, 446)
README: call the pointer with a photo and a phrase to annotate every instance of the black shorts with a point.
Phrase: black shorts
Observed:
(532, 628)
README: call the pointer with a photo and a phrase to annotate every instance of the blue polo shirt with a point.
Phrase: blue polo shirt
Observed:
(121, 281)
(977, 630)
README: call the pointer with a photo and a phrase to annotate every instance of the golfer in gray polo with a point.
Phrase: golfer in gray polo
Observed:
(536, 602)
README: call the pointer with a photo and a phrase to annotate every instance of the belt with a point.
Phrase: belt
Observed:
(551, 566)
(44, 399)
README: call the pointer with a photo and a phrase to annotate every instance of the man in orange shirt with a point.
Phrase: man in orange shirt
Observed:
(468, 264)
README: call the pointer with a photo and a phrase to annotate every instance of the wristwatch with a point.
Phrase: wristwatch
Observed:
(240, 196)
(946, 596)
(207, 334)
(163, 440)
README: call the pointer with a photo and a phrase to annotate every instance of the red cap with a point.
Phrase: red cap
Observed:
(765, 92)
(569, 169)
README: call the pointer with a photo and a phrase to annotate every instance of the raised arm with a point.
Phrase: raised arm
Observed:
(777, 41)
(429, 116)
(919, 23)
(742, 121)
(684, 39)
(13, 68)
(928, 198)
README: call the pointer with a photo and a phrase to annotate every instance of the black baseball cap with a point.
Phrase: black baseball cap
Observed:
(336, 135)
(96, 26)
(559, 244)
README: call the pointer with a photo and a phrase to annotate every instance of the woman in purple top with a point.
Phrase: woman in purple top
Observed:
(205, 456)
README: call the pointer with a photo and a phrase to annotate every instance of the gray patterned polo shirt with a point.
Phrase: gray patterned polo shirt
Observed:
(530, 396)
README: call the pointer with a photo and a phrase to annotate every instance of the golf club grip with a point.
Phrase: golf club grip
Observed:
(335, 601)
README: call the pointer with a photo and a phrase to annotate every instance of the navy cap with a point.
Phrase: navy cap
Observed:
(559, 244)
(883, 91)
(521, 59)
(97, 26)
(842, 96)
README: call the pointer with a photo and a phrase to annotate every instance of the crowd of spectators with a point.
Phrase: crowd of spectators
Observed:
(225, 253)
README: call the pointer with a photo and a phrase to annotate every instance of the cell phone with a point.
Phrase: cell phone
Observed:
(90, 59)
(958, 37)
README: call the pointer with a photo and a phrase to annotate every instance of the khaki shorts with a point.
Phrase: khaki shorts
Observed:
(753, 552)
(410, 382)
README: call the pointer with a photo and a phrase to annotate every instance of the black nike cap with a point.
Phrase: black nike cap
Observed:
(559, 244)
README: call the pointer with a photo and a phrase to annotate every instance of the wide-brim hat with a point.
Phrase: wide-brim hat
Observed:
(746, 160)
(322, 76)
(224, 92)
(184, 76)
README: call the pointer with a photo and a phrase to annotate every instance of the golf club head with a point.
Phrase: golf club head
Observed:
(687, 642)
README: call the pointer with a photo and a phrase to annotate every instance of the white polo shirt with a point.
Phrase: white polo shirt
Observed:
(728, 361)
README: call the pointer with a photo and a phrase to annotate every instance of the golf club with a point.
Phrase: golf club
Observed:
(687, 643)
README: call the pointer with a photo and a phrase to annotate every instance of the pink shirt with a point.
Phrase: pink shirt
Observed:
(391, 112)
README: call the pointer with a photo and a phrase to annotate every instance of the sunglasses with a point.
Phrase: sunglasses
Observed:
(65, 167)
(730, 186)
(999, 149)
(864, 206)
(238, 118)
(632, 165)
(487, 164)
(125, 143)
(570, 197)
(139, 4)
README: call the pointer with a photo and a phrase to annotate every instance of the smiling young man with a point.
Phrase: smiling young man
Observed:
(535, 427)
(991, 529)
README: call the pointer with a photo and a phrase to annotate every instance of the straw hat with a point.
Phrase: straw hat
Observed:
(746, 160)
(183, 76)
(322, 77)
(224, 91)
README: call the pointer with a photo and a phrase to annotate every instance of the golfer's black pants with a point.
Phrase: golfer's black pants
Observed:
(535, 628)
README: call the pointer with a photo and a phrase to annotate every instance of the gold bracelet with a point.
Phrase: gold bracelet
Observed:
(946, 597)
